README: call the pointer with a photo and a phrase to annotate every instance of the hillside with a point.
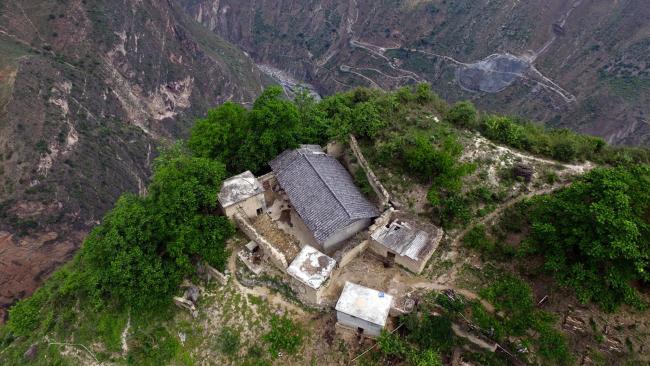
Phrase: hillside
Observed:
(576, 64)
(88, 92)
(543, 261)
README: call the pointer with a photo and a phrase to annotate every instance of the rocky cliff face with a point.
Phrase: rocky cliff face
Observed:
(89, 90)
(578, 64)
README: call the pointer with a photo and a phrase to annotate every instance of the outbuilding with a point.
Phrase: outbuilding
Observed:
(311, 271)
(401, 243)
(363, 309)
(243, 191)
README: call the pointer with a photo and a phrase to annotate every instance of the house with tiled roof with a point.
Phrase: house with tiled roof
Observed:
(323, 194)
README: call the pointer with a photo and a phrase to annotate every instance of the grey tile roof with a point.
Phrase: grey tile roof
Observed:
(321, 191)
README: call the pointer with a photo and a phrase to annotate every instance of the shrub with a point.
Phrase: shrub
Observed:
(504, 130)
(477, 238)
(513, 296)
(25, 316)
(392, 345)
(430, 331)
(423, 93)
(366, 121)
(41, 147)
(564, 151)
(153, 347)
(553, 346)
(361, 180)
(284, 336)
(229, 341)
(427, 358)
(463, 114)
(593, 234)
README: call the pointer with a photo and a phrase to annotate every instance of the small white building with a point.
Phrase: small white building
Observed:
(311, 271)
(363, 309)
(243, 191)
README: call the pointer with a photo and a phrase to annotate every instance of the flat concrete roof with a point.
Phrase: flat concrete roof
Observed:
(239, 188)
(365, 303)
(311, 267)
(404, 240)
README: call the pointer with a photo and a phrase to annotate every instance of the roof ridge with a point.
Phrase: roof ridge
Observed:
(327, 185)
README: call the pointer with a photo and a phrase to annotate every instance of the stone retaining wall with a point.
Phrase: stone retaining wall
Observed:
(380, 191)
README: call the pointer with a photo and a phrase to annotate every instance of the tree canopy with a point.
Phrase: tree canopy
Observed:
(594, 234)
(146, 245)
(247, 140)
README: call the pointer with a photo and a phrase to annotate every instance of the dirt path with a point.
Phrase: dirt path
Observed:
(470, 337)
(561, 23)
(442, 287)
(125, 334)
(379, 51)
(496, 213)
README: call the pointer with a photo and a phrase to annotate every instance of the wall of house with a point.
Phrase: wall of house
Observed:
(249, 206)
(406, 262)
(333, 242)
(306, 294)
(346, 254)
(382, 220)
(410, 264)
(274, 255)
(378, 248)
(352, 322)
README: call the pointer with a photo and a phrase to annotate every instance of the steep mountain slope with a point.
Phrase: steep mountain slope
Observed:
(89, 90)
(579, 64)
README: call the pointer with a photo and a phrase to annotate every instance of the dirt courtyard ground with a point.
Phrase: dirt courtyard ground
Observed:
(287, 219)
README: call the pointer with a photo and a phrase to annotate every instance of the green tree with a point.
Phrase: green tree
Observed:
(274, 127)
(313, 121)
(594, 234)
(463, 114)
(220, 135)
(146, 245)
(366, 121)
(248, 140)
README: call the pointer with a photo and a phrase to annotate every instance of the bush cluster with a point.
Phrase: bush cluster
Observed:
(559, 144)
(594, 234)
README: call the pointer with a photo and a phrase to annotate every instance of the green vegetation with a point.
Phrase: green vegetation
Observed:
(594, 234)
(247, 140)
(513, 297)
(284, 336)
(229, 341)
(428, 331)
(559, 144)
(135, 260)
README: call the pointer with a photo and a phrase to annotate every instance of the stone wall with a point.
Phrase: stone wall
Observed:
(380, 191)
(275, 256)
(346, 254)
(383, 220)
